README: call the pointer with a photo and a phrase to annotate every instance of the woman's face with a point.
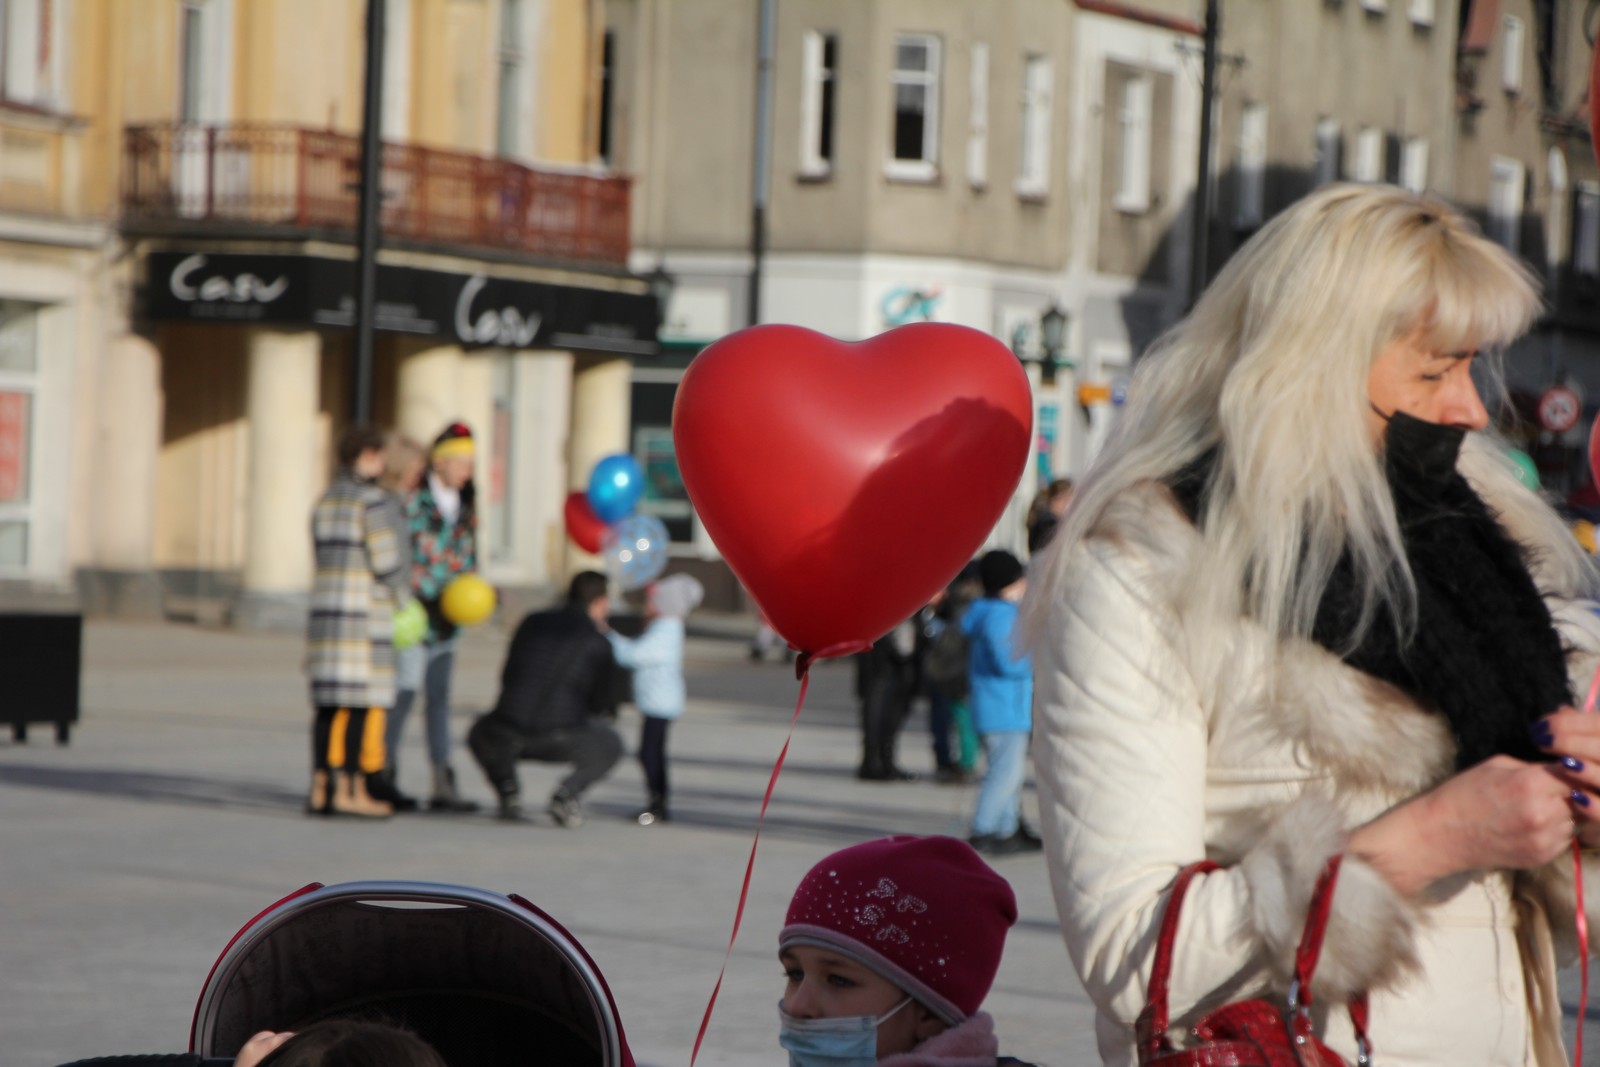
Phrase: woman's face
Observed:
(1435, 387)
(822, 984)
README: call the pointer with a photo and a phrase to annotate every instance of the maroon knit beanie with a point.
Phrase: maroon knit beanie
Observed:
(926, 913)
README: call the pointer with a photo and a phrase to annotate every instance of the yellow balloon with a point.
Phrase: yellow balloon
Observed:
(467, 600)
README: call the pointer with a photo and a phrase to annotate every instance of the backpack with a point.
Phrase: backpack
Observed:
(944, 662)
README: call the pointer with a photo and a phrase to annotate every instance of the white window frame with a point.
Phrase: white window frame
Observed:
(1558, 242)
(1038, 105)
(1136, 119)
(1586, 232)
(978, 117)
(1249, 200)
(26, 382)
(1414, 164)
(925, 167)
(1422, 12)
(816, 79)
(516, 49)
(1368, 165)
(1329, 161)
(1507, 182)
(24, 80)
(1512, 40)
(1377, 7)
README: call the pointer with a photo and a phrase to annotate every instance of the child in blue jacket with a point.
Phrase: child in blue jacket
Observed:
(1002, 705)
(656, 659)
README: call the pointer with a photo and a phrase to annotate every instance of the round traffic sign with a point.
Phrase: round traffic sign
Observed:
(1559, 408)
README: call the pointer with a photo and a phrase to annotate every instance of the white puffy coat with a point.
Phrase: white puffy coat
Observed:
(1157, 743)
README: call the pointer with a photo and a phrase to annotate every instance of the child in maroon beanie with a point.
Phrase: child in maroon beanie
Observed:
(889, 948)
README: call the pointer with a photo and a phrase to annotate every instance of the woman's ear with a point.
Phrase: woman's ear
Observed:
(928, 1024)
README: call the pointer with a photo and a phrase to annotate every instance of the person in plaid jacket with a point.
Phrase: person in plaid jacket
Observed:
(442, 518)
(359, 579)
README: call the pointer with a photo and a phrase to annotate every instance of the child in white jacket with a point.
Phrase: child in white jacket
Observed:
(656, 659)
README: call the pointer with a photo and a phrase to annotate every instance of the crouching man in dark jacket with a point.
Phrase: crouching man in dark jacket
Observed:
(556, 693)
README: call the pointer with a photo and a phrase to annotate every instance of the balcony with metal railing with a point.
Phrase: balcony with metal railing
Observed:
(265, 180)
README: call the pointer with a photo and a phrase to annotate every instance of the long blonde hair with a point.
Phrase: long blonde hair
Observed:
(1269, 372)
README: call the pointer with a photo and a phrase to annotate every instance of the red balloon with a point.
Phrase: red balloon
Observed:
(844, 483)
(584, 527)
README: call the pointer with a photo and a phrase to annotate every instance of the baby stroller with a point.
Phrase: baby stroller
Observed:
(487, 980)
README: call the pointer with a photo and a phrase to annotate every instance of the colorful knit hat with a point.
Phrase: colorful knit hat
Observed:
(453, 440)
(925, 913)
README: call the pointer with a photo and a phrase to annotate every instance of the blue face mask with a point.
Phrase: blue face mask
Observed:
(851, 1041)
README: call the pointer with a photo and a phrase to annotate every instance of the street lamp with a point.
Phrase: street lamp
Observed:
(1053, 333)
(661, 282)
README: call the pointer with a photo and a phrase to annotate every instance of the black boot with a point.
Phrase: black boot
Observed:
(510, 808)
(445, 798)
(381, 786)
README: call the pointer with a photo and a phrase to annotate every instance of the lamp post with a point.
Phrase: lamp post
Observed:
(661, 282)
(1053, 335)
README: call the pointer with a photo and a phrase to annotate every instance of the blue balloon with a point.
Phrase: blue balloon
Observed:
(615, 486)
(635, 551)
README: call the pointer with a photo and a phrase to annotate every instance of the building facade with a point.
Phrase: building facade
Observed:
(177, 279)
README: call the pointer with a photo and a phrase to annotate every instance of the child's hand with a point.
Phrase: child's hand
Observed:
(259, 1047)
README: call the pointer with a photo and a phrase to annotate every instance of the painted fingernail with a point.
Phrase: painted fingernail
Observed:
(1541, 733)
(1572, 763)
(1580, 798)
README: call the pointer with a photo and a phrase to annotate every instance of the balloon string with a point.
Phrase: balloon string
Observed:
(1583, 917)
(749, 867)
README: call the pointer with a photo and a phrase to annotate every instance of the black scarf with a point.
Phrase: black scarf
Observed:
(1485, 653)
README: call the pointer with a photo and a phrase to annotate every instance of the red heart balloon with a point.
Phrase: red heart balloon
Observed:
(847, 483)
(586, 529)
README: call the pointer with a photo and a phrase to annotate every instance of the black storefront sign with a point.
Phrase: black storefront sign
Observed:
(476, 310)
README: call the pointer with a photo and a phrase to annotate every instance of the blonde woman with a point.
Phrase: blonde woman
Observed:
(1301, 605)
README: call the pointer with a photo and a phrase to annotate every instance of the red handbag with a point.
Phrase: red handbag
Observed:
(1249, 1033)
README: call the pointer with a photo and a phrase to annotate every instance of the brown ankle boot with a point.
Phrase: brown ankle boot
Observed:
(317, 803)
(351, 798)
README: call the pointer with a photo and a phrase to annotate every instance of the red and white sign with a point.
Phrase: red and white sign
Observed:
(1559, 408)
(13, 447)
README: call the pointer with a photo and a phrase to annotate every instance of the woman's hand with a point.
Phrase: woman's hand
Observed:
(1501, 814)
(259, 1047)
(1575, 737)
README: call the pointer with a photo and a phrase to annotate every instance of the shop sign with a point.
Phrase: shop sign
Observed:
(476, 310)
(1559, 408)
(14, 447)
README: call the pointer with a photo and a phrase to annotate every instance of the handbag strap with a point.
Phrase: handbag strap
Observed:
(1156, 1017)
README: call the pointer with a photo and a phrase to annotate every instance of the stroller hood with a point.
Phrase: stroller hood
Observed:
(488, 980)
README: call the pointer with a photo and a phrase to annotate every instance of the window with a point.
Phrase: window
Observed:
(1133, 170)
(508, 128)
(1506, 178)
(608, 94)
(1330, 151)
(1414, 164)
(916, 107)
(19, 363)
(32, 39)
(1377, 7)
(1586, 238)
(1369, 155)
(1511, 56)
(191, 77)
(1557, 244)
(1033, 164)
(1250, 190)
(820, 66)
(978, 121)
(396, 120)
(1422, 12)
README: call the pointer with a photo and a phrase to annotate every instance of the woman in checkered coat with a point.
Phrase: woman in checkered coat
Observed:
(360, 578)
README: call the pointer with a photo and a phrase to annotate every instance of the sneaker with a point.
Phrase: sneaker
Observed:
(994, 845)
(951, 775)
(1025, 840)
(1028, 833)
(652, 815)
(510, 810)
(566, 811)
